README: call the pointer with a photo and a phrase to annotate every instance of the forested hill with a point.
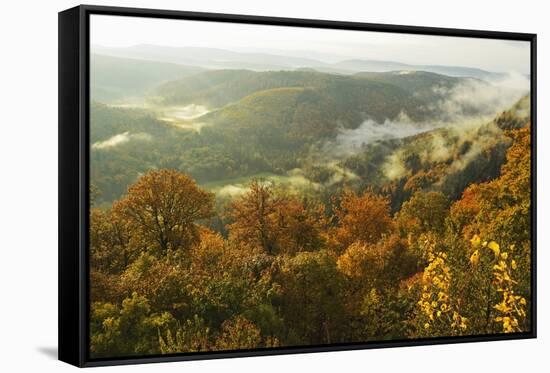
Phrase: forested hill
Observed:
(300, 145)
(444, 159)
(380, 95)
(423, 84)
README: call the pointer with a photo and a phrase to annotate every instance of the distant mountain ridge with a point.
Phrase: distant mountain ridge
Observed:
(386, 66)
(215, 58)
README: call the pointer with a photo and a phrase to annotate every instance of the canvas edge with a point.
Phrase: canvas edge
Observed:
(69, 245)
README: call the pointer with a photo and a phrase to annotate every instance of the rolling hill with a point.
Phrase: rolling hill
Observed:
(114, 78)
(352, 99)
(423, 84)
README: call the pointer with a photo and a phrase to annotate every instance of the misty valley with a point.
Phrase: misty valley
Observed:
(251, 200)
(301, 129)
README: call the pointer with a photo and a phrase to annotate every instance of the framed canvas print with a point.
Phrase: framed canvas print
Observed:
(235, 186)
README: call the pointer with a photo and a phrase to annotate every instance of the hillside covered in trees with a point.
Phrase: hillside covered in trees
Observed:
(288, 270)
(237, 208)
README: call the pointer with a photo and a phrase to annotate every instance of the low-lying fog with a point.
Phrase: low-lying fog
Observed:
(121, 138)
(187, 112)
(461, 108)
(184, 117)
(470, 103)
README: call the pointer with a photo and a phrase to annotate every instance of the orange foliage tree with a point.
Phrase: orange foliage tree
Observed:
(363, 218)
(161, 209)
(276, 224)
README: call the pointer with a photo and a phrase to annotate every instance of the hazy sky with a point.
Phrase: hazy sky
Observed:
(322, 44)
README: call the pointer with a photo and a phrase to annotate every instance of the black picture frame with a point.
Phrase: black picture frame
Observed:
(74, 203)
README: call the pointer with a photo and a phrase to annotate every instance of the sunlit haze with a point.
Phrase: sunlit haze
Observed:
(321, 44)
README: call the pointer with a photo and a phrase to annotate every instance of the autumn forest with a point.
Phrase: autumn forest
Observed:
(245, 206)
